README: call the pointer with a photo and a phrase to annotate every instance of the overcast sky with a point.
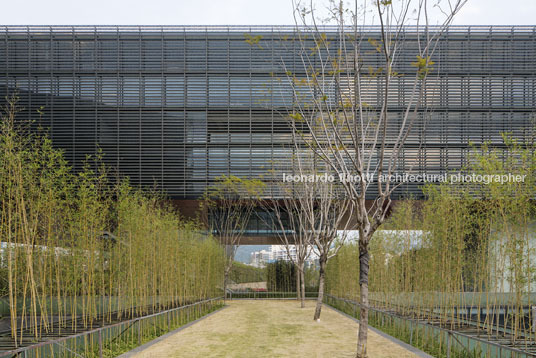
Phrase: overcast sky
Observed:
(219, 12)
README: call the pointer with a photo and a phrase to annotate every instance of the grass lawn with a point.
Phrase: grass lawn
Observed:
(271, 328)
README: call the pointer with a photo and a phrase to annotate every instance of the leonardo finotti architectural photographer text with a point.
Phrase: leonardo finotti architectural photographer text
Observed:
(407, 178)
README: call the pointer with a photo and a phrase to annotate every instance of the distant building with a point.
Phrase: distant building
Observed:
(259, 258)
(278, 253)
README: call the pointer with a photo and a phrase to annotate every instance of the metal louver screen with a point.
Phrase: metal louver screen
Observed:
(177, 106)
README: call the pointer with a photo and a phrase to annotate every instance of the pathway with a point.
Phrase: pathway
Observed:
(271, 328)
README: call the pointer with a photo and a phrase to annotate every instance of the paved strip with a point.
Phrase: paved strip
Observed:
(260, 328)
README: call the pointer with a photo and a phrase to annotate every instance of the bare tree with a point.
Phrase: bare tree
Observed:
(308, 210)
(286, 218)
(331, 220)
(343, 100)
(226, 209)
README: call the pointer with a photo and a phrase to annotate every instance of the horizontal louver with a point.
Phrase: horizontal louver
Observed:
(177, 106)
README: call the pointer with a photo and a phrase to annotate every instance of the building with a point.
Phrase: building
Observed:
(259, 258)
(177, 106)
(279, 253)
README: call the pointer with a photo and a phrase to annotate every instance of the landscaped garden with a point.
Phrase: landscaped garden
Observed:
(392, 163)
(277, 328)
(85, 250)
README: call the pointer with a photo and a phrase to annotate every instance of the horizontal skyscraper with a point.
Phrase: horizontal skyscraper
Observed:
(177, 106)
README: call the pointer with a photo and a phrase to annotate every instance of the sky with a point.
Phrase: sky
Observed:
(220, 12)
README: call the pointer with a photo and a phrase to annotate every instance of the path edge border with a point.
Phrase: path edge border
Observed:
(143, 347)
(397, 341)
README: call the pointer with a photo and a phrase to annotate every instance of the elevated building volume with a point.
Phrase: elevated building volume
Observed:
(178, 106)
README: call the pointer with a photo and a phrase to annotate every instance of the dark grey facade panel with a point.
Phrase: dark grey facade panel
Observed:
(178, 106)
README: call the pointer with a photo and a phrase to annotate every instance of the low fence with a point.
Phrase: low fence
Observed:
(103, 305)
(435, 340)
(266, 295)
(114, 339)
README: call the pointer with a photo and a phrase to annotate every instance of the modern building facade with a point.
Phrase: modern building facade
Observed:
(280, 253)
(177, 106)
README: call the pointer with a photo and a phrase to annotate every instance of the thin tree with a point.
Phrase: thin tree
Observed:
(309, 212)
(286, 218)
(344, 101)
(331, 221)
(226, 209)
(287, 213)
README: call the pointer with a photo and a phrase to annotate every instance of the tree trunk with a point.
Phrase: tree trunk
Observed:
(321, 277)
(302, 282)
(227, 271)
(225, 280)
(363, 286)
(229, 252)
(298, 286)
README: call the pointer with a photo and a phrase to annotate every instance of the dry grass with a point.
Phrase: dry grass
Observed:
(271, 329)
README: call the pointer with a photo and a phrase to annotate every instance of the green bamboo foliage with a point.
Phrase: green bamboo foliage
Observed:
(243, 273)
(79, 252)
(226, 208)
(465, 256)
(280, 276)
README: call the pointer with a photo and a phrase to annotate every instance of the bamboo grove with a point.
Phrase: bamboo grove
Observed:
(81, 250)
(464, 257)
